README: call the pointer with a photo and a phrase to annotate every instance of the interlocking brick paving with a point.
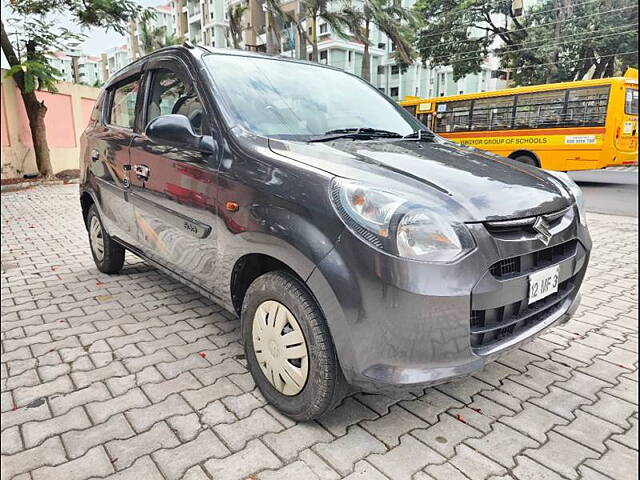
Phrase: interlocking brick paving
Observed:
(101, 376)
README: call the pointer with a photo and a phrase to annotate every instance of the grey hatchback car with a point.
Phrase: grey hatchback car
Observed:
(359, 249)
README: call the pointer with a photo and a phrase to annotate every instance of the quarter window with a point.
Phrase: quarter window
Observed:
(123, 104)
(171, 95)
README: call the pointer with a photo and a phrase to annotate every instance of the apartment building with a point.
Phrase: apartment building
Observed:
(206, 22)
(77, 68)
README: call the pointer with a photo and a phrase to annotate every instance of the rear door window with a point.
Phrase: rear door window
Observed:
(123, 103)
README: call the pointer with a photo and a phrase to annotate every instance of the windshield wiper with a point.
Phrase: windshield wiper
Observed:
(421, 135)
(355, 133)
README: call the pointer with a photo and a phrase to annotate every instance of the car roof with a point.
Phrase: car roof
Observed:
(199, 51)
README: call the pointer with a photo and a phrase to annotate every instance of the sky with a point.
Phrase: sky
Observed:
(97, 40)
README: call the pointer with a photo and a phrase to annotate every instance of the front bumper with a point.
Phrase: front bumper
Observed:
(401, 324)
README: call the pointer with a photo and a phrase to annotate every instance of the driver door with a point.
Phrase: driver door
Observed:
(173, 190)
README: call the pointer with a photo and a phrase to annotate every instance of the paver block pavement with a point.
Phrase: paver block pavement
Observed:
(136, 376)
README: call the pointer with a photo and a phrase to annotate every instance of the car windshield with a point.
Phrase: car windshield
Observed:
(300, 101)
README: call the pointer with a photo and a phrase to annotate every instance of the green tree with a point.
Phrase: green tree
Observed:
(554, 40)
(38, 35)
(234, 30)
(153, 38)
(571, 39)
(305, 22)
(397, 23)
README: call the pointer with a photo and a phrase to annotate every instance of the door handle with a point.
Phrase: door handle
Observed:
(141, 171)
(95, 155)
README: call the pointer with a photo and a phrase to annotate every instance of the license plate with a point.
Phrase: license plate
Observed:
(543, 283)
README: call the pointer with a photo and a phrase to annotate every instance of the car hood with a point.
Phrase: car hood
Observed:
(483, 186)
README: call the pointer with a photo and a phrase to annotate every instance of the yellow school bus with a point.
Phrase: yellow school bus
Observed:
(581, 125)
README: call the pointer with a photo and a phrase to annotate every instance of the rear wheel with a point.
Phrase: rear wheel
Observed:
(528, 159)
(289, 349)
(107, 254)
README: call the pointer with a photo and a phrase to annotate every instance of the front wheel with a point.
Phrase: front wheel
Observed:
(108, 255)
(289, 349)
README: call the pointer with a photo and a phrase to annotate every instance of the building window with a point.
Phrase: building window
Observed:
(394, 91)
(382, 45)
(395, 70)
(350, 56)
(310, 56)
(324, 55)
(324, 28)
(501, 74)
(381, 70)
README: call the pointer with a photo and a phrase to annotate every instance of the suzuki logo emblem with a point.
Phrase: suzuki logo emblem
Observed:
(542, 227)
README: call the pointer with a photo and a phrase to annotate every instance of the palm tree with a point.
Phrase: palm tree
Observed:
(152, 39)
(309, 13)
(234, 31)
(388, 17)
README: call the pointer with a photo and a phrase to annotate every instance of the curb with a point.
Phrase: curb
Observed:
(24, 185)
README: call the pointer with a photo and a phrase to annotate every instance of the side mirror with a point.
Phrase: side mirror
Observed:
(176, 131)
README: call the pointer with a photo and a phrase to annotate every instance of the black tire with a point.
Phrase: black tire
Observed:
(527, 159)
(113, 257)
(325, 386)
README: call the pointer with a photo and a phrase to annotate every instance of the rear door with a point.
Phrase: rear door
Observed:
(108, 148)
(627, 131)
(174, 190)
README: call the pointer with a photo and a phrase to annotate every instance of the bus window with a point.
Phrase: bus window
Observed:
(492, 113)
(587, 106)
(426, 119)
(453, 116)
(631, 101)
(411, 109)
(540, 110)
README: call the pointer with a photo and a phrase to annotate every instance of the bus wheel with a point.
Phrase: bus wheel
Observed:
(525, 158)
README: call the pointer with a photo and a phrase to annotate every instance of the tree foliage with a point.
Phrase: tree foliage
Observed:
(554, 40)
(153, 38)
(389, 17)
(234, 30)
(575, 40)
(35, 33)
(37, 75)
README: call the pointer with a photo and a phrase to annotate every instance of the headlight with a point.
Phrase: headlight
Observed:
(397, 226)
(575, 191)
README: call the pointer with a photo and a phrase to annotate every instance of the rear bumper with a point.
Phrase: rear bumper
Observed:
(623, 158)
(399, 324)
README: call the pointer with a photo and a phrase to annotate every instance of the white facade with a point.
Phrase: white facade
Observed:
(88, 67)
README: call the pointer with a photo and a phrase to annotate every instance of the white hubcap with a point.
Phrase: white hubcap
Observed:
(97, 242)
(280, 347)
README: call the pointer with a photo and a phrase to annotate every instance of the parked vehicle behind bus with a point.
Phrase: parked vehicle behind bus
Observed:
(581, 125)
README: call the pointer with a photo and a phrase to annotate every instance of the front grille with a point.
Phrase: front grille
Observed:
(523, 227)
(523, 264)
(491, 326)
